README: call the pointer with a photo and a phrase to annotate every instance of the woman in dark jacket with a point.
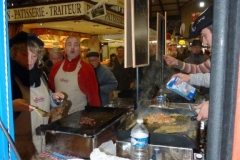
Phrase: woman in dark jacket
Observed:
(29, 90)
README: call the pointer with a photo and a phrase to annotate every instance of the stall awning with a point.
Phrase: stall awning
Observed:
(56, 38)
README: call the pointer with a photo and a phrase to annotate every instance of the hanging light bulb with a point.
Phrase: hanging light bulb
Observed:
(201, 4)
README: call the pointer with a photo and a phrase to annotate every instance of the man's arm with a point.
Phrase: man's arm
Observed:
(187, 67)
(198, 79)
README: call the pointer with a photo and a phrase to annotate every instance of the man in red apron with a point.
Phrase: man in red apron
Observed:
(75, 77)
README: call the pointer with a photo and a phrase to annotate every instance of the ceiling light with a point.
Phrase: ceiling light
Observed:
(201, 4)
(40, 24)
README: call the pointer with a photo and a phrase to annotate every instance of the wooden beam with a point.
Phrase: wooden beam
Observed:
(179, 9)
(161, 6)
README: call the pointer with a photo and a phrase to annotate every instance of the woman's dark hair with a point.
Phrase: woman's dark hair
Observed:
(112, 55)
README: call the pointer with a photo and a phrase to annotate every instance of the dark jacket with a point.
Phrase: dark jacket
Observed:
(124, 76)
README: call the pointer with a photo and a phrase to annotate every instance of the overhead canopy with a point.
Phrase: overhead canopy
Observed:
(55, 38)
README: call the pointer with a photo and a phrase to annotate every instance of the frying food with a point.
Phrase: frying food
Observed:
(172, 129)
(87, 121)
(56, 113)
(160, 118)
(168, 123)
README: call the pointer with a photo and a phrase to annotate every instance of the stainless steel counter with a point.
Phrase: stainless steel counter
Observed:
(78, 145)
(68, 136)
(176, 153)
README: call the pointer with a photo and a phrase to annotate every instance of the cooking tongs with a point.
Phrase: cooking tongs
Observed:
(41, 112)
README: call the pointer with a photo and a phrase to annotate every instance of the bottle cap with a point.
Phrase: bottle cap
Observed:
(198, 156)
(157, 150)
(139, 121)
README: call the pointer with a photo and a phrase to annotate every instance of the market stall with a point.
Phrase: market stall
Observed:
(90, 127)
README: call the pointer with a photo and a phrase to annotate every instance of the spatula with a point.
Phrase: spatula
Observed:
(41, 112)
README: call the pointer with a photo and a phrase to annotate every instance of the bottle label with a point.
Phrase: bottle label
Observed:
(139, 142)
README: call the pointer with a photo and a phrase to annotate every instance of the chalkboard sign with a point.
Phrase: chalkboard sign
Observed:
(161, 36)
(128, 53)
(140, 32)
(161, 42)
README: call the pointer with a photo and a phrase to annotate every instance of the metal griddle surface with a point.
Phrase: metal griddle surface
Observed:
(102, 115)
(186, 139)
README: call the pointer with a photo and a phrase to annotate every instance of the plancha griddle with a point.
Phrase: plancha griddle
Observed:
(103, 117)
(185, 139)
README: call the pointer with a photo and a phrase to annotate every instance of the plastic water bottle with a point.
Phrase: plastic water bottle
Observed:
(139, 141)
(161, 100)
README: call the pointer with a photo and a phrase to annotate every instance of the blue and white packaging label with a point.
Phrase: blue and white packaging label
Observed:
(184, 89)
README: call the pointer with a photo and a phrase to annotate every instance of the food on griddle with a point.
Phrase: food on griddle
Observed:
(172, 128)
(168, 123)
(56, 113)
(87, 121)
(160, 118)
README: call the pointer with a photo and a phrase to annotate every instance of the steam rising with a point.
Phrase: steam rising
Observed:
(151, 82)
